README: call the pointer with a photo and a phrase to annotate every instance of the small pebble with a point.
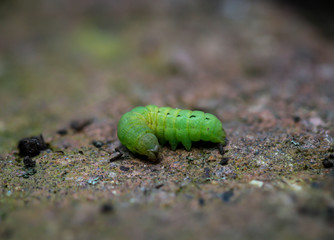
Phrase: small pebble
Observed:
(62, 131)
(79, 125)
(296, 119)
(29, 162)
(224, 161)
(107, 208)
(327, 163)
(93, 181)
(123, 168)
(201, 202)
(97, 144)
(159, 186)
(226, 196)
(31, 146)
(256, 183)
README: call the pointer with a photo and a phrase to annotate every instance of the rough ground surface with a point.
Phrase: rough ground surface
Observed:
(262, 69)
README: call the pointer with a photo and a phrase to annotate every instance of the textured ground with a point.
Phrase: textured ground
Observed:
(262, 69)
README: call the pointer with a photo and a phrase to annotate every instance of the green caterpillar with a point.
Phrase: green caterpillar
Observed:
(141, 129)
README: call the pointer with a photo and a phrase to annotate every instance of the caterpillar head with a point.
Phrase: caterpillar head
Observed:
(148, 145)
(212, 129)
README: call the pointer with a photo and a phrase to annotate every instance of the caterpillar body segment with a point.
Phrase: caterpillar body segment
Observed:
(143, 128)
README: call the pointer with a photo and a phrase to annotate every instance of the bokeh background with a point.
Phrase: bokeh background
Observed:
(265, 68)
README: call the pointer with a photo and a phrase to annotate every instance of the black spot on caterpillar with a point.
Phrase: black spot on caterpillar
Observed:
(143, 128)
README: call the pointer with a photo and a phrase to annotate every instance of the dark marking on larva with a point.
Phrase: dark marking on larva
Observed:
(207, 118)
(192, 116)
(178, 115)
(168, 113)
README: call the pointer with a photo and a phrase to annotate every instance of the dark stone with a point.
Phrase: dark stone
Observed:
(79, 125)
(31, 146)
(159, 186)
(123, 168)
(62, 131)
(29, 162)
(107, 208)
(226, 196)
(97, 144)
(201, 201)
(224, 161)
(296, 119)
(327, 163)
